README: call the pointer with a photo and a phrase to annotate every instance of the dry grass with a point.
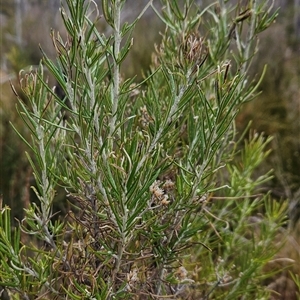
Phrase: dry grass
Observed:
(288, 261)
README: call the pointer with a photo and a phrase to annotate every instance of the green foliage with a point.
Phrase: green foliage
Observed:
(297, 281)
(140, 161)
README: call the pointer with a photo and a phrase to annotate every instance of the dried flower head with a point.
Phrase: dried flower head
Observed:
(181, 273)
(194, 50)
(159, 193)
(145, 119)
(169, 185)
(156, 190)
(165, 200)
(132, 279)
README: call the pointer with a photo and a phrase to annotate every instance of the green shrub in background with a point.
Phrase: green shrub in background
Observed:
(163, 200)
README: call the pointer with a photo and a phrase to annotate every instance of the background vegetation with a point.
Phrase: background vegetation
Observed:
(275, 112)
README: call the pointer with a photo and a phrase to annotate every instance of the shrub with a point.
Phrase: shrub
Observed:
(162, 198)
